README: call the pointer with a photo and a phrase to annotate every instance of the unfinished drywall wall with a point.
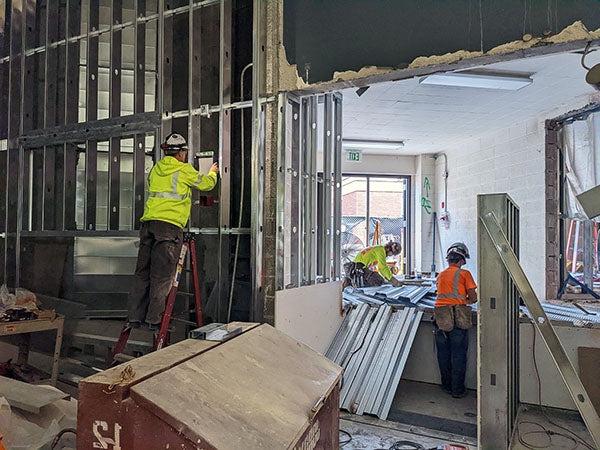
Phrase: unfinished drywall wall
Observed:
(510, 160)
(310, 314)
(339, 35)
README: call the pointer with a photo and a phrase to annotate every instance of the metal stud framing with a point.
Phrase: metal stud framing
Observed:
(49, 144)
(308, 194)
(500, 246)
(498, 332)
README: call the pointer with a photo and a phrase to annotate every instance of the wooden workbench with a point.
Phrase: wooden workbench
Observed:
(24, 328)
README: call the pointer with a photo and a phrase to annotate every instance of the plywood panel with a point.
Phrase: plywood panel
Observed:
(254, 391)
(310, 314)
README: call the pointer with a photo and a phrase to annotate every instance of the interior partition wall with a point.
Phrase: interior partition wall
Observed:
(309, 181)
(90, 88)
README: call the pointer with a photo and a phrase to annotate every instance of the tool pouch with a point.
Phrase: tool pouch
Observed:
(444, 317)
(463, 317)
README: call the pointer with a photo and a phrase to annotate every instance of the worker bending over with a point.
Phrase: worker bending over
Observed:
(456, 290)
(166, 213)
(370, 266)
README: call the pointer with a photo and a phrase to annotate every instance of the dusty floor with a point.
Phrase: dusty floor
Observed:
(370, 433)
(422, 413)
(531, 421)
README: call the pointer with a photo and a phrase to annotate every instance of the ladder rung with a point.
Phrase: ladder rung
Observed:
(187, 294)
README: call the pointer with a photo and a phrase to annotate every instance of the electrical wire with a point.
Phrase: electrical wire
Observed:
(240, 216)
(56, 440)
(572, 436)
(347, 441)
(404, 445)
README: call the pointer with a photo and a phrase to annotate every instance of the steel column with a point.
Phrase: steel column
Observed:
(295, 175)
(542, 324)
(257, 159)
(281, 188)
(14, 157)
(337, 185)
(114, 165)
(312, 198)
(325, 231)
(497, 330)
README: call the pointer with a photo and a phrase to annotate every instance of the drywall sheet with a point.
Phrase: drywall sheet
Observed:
(310, 314)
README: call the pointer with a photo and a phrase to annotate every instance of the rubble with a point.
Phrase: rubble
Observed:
(22, 429)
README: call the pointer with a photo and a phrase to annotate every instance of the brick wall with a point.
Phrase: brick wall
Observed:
(512, 161)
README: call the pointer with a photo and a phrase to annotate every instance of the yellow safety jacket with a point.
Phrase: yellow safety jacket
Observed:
(375, 256)
(170, 184)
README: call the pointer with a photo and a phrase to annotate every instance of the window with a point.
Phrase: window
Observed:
(375, 210)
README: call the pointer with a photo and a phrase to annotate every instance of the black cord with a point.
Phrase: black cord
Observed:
(347, 441)
(572, 436)
(59, 435)
(404, 445)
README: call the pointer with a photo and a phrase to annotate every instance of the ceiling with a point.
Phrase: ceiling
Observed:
(431, 118)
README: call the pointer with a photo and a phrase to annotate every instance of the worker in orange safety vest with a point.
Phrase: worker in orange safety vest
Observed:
(456, 290)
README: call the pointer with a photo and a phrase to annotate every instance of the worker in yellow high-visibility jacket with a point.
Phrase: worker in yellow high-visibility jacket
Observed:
(371, 264)
(166, 213)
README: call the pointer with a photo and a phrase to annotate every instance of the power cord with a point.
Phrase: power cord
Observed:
(572, 436)
(347, 441)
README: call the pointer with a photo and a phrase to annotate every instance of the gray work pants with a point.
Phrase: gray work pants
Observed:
(160, 247)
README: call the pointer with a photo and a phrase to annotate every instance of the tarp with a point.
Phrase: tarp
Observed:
(581, 152)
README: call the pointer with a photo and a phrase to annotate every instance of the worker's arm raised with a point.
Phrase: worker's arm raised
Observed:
(196, 180)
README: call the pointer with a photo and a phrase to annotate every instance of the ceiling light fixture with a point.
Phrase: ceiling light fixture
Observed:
(479, 80)
(360, 144)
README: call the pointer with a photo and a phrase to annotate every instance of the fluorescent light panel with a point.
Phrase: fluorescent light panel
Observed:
(359, 144)
(479, 80)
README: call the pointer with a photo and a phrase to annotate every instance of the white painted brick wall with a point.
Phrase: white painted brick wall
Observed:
(512, 161)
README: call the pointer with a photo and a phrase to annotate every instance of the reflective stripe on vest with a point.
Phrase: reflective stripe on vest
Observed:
(454, 295)
(173, 195)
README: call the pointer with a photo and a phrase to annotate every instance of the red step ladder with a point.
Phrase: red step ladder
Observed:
(161, 338)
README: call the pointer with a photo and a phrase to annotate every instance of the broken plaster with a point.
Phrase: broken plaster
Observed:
(364, 72)
(289, 79)
(447, 58)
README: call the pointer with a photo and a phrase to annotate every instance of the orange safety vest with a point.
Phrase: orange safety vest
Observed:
(452, 286)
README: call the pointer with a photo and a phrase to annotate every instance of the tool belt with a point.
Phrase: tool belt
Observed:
(361, 276)
(448, 317)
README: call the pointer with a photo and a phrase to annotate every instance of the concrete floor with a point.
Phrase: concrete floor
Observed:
(422, 413)
(427, 405)
(530, 418)
(369, 433)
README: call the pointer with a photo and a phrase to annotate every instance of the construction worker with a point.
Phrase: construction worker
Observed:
(456, 290)
(370, 266)
(166, 213)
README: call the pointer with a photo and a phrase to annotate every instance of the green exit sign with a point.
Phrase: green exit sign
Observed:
(353, 155)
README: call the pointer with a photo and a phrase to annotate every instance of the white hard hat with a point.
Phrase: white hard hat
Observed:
(174, 142)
